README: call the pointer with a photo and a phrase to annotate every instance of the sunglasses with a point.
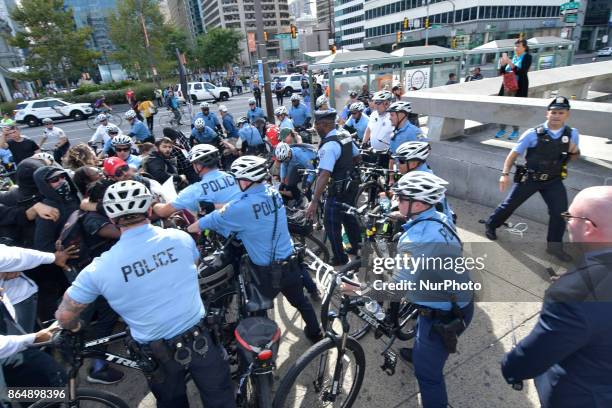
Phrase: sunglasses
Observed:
(569, 216)
(57, 178)
(121, 171)
(378, 102)
(123, 149)
(400, 160)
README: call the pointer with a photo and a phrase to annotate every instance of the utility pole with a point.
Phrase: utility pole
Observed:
(262, 53)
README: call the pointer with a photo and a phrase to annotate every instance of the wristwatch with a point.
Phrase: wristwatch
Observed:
(505, 174)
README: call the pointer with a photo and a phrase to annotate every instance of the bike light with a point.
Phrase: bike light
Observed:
(264, 355)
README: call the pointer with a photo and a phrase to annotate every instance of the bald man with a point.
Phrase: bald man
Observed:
(569, 351)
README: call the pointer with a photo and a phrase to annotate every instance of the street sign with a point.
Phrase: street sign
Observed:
(571, 18)
(570, 5)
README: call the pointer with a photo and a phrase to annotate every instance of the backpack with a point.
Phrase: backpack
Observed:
(73, 233)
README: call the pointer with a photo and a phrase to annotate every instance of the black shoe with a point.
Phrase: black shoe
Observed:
(406, 354)
(314, 338)
(490, 232)
(107, 376)
(558, 252)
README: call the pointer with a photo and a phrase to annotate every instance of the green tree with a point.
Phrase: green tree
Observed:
(55, 49)
(218, 47)
(128, 36)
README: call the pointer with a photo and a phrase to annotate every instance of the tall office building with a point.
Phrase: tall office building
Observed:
(186, 14)
(240, 15)
(325, 13)
(300, 8)
(10, 57)
(469, 22)
(94, 14)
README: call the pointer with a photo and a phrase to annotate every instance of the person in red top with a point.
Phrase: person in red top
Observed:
(129, 96)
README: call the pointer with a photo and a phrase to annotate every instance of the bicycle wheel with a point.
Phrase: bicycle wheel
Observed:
(258, 392)
(309, 382)
(91, 122)
(87, 398)
(367, 194)
(115, 119)
(314, 244)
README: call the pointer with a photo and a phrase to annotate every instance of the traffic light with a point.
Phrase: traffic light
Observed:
(406, 25)
(454, 42)
(427, 22)
(265, 36)
(398, 37)
(293, 31)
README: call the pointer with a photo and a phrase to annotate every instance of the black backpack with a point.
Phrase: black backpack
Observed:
(73, 233)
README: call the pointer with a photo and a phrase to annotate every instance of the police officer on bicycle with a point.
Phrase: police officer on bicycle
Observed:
(548, 148)
(443, 315)
(149, 277)
(259, 219)
(337, 173)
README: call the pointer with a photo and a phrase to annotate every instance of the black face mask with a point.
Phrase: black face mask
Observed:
(64, 191)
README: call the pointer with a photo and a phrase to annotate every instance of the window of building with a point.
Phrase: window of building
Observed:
(466, 14)
(474, 13)
(487, 12)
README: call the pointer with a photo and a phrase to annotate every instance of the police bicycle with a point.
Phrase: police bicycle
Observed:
(236, 314)
(331, 372)
(92, 121)
(373, 183)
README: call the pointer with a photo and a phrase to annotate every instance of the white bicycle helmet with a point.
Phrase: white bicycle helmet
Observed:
(400, 106)
(295, 97)
(282, 151)
(252, 168)
(46, 121)
(413, 151)
(281, 110)
(121, 140)
(382, 96)
(242, 121)
(252, 101)
(44, 156)
(357, 107)
(130, 114)
(126, 198)
(204, 154)
(199, 123)
(421, 186)
(204, 105)
(321, 100)
(222, 108)
(101, 118)
(112, 129)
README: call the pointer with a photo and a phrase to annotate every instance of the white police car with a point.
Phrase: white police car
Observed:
(33, 112)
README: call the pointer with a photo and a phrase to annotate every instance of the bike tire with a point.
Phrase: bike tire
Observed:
(262, 385)
(365, 189)
(91, 122)
(86, 394)
(288, 383)
(116, 119)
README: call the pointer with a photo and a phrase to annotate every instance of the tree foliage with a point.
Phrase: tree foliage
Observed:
(55, 50)
(128, 36)
(218, 47)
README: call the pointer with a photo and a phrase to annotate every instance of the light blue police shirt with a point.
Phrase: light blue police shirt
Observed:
(206, 135)
(251, 216)
(216, 186)
(230, 126)
(254, 114)
(300, 157)
(250, 135)
(150, 279)
(428, 241)
(298, 114)
(210, 120)
(134, 161)
(361, 125)
(529, 139)
(139, 130)
(330, 152)
(407, 133)
(286, 124)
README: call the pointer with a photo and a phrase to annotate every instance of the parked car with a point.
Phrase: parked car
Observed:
(605, 52)
(33, 112)
(203, 91)
(291, 83)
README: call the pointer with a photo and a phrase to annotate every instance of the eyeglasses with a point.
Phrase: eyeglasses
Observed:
(57, 178)
(121, 171)
(569, 216)
(123, 149)
(378, 102)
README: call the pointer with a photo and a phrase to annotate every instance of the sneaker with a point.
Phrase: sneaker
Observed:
(406, 354)
(513, 135)
(107, 376)
(500, 133)
(490, 232)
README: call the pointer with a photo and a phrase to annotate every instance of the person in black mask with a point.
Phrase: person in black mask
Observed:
(58, 191)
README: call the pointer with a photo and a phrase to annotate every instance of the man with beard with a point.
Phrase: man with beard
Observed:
(161, 165)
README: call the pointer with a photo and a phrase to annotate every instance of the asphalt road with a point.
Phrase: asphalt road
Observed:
(78, 132)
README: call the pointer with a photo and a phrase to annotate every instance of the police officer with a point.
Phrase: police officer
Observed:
(202, 133)
(259, 218)
(138, 130)
(215, 188)
(155, 290)
(255, 112)
(379, 131)
(299, 114)
(412, 156)
(547, 148)
(404, 130)
(284, 121)
(292, 159)
(122, 145)
(358, 122)
(228, 122)
(443, 315)
(336, 169)
(210, 119)
(252, 142)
